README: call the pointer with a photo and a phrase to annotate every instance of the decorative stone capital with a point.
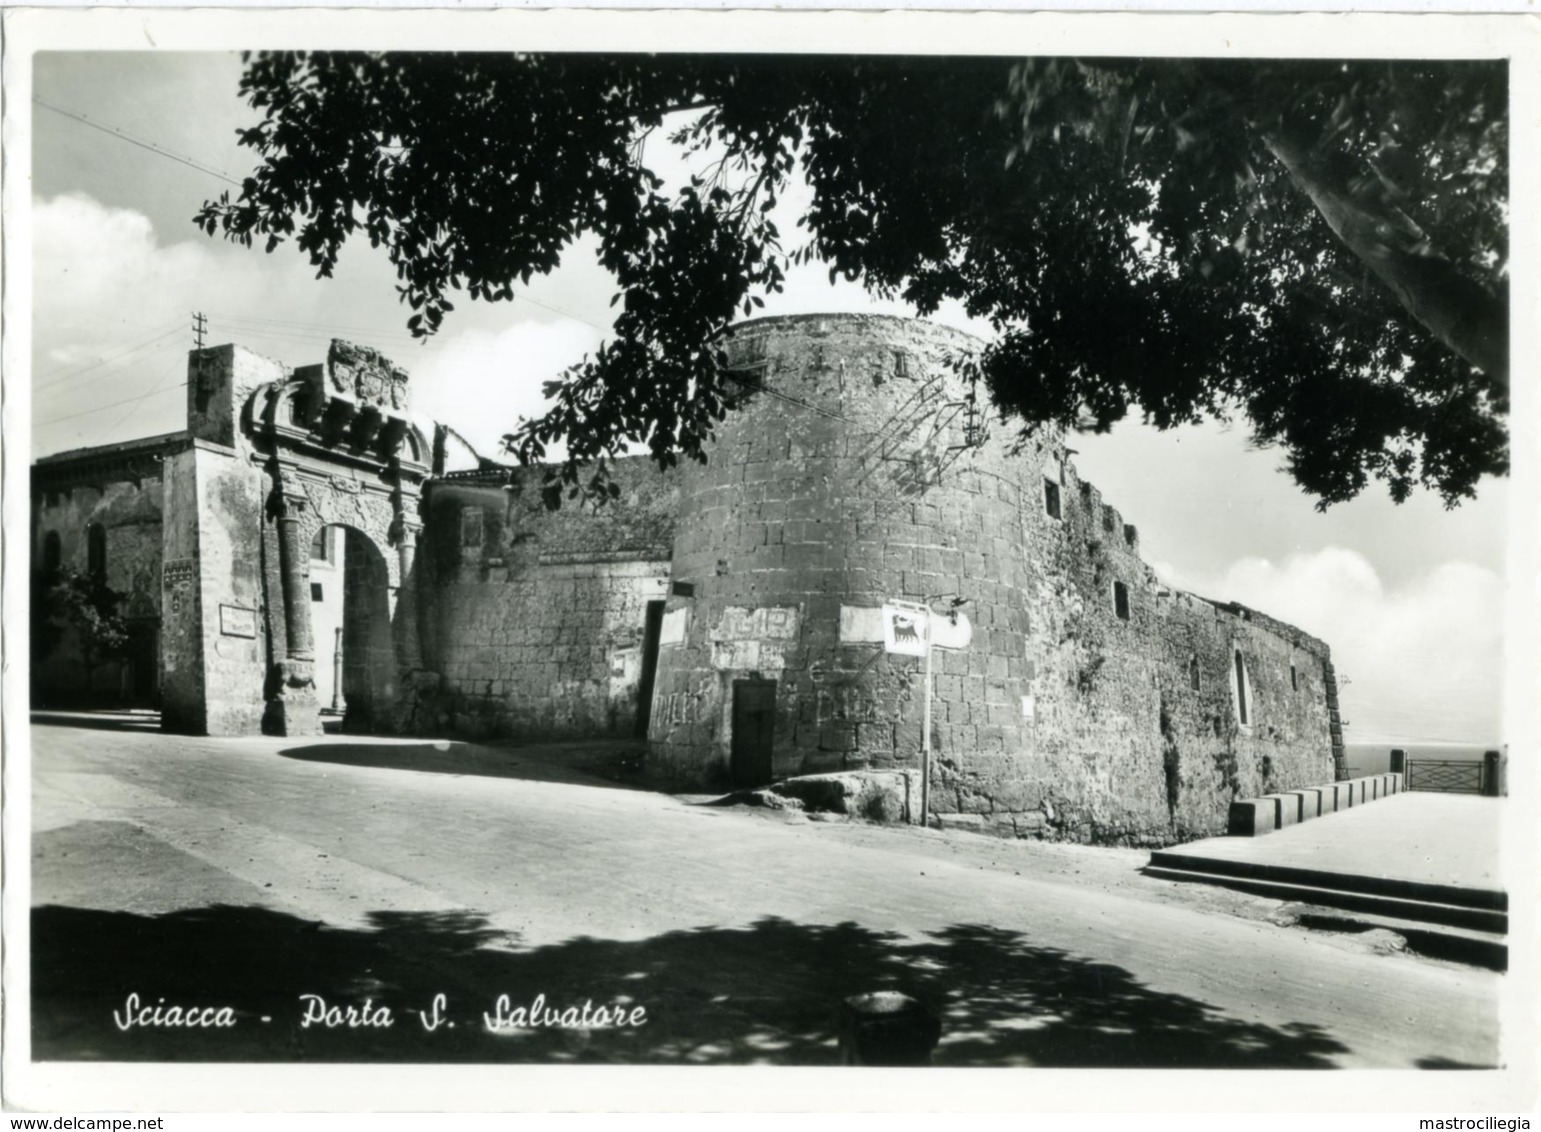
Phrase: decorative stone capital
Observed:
(404, 529)
(296, 678)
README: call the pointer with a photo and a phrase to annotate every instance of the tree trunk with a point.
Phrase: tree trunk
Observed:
(1461, 313)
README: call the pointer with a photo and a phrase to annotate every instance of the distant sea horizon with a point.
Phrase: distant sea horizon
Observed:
(1374, 757)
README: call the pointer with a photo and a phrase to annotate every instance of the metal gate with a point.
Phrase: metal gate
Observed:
(1445, 776)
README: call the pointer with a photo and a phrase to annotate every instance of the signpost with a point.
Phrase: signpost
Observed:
(914, 629)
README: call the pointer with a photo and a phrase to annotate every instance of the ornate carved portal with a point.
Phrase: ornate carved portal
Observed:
(339, 451)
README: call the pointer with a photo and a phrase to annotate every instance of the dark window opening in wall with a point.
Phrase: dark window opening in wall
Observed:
(471, 526)
(1242, 714)
(1294, 679)
(1194, 680)
(316, 592)
(96, 551)
(901, 364)
(652, 630)
(53, 553)
(1131, 535)
(321, 547)
(1121, 600)
(1051, 498)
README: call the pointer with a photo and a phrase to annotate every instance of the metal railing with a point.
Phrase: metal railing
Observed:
(1445, 776)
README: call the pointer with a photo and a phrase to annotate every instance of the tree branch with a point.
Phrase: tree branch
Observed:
(1458, 311)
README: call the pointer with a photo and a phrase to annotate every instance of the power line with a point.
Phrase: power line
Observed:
(55, 387)
(111, 405)
(142, 343)
(397, 334)
(123, 135)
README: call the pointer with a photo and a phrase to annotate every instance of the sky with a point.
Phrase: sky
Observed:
(1411, 598)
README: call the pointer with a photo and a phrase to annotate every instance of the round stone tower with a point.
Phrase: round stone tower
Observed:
(853, 473)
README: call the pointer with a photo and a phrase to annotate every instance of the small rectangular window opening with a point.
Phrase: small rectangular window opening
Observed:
(1051, 498)
(1121, 600)
(315, 592)
(1241, 690)
(471, 526)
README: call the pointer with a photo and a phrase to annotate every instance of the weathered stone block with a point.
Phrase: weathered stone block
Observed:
(1252, 817)
(875, 795)
(973, 822)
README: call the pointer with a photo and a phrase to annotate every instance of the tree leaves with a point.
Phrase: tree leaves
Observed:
(1126, 225)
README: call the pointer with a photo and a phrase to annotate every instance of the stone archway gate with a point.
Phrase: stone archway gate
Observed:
(336, 447)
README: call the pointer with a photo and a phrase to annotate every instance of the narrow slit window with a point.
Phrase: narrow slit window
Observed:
(1294, 679)
(1195, 681)
(1051, 498)
(53, 553)
(1121, 600)
(1243, 713)
(96, 551)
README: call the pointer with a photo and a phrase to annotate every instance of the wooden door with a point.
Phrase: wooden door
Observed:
(754, 731)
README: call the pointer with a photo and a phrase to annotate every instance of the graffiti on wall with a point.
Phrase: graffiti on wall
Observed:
(682, 708)
(845, 703)
(772, 623)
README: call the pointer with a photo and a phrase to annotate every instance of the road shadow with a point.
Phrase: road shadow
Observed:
(615, 765)
(98, 720)
(766, 993)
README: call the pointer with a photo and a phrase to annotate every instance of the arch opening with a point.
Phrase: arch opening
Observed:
(351, 626)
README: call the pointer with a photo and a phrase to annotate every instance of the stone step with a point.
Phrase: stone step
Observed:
(1394, 888)
(1402, 908)
(1437, 941)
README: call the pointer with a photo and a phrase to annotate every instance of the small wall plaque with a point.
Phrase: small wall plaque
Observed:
(237, 621)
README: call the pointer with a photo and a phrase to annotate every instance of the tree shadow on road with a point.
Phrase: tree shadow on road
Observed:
(103, 720)
(573, 764)
(765, 993)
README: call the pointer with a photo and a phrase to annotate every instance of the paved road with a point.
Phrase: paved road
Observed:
(249, 873)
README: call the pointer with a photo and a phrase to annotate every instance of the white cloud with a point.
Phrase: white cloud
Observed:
(112, 325)
(481, 384)
(97, 270)
(1423, 660)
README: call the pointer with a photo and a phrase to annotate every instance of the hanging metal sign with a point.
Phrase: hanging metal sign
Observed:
(951, 631)
(905, 628)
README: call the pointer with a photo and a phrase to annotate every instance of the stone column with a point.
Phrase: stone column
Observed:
(293, 710)
(291, 563)
(415, 710)
(404, 531)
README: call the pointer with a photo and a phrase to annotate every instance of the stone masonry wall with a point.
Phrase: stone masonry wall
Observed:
(1123, 748)
(537, 619)
(130, 514)
(230, 498)
(845, 480)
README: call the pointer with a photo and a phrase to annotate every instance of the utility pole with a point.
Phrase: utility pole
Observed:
(200, 387)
